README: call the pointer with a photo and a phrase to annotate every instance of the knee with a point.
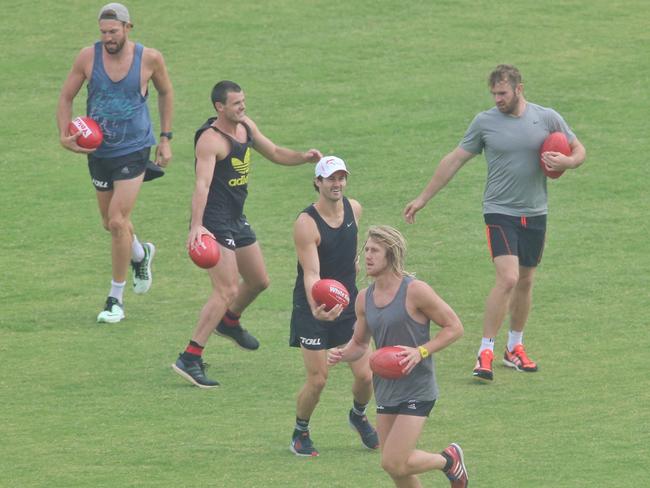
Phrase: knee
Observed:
(262, 284)
(364, 376)
(507, 281)
(117, 225)
(393, 467)
(317, 381)
(227, 292)
(525, 283)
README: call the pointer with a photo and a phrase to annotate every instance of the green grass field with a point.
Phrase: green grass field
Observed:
(390, 87)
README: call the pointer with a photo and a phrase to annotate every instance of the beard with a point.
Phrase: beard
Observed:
(114, 47)
(510, 107)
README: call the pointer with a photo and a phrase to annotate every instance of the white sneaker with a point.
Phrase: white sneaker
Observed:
(142, 277)
(113, 312)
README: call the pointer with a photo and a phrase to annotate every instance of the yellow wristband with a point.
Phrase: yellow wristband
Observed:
(424, 352)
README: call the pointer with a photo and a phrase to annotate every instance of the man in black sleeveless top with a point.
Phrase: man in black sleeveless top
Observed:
(325, 235)
(223, 162)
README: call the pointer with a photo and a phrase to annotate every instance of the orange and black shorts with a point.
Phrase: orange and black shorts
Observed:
(516, 236)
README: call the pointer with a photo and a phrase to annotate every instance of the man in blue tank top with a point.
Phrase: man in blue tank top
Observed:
(223, 162)
(514, 204)
(397, 310)
(325, 235)
(118, 72)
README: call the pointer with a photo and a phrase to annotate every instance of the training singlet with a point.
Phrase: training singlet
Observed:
(337, 254)
(119, 108)
(393, 326)
(229, 187)
(516, 185)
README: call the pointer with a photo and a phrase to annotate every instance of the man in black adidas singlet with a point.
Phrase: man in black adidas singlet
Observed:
(325, 235)
(223, 163)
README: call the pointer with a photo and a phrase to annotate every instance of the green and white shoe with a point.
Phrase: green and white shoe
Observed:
(142, 271)
(113, 312)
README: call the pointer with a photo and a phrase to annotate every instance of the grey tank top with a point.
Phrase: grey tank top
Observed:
(393, 326)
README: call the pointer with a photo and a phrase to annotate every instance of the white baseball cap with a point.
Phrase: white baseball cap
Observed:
(115, 11)
(328, 165)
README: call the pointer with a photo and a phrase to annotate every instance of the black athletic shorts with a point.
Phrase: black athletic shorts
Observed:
(412, 407)
(517, 236)
(232, 234)
(316, 335)
(104, 171)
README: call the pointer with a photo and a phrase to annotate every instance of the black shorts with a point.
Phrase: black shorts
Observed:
(232, 234)
(517, 236)
(104, 171)
(412, 407)
(316, 335)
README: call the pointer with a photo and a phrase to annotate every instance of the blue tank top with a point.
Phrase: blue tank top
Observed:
(119, 108)
(391, 325)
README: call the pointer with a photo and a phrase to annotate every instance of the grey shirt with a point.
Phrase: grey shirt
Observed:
(516, 185)
(393, 326)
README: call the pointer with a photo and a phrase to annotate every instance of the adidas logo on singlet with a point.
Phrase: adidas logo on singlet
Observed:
(242, 167)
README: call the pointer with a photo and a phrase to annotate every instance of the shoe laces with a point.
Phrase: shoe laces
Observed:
(141, 269)
(520, 352)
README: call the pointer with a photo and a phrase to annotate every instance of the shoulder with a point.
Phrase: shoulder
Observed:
(152, 57)
(305, 228)
(544, 111)
(360, 303)
(418, 290)
(86, 55)
(551, 118)
(210, 142)
(356, 206)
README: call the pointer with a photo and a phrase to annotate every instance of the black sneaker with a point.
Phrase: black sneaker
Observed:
(301, 444)
(366, 431)
(194, 372)
(238, 335)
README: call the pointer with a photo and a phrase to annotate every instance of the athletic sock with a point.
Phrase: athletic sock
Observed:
(302, 424)
(514, 338)
(117, 290)
(137, 251)
(359, 409)
(486, 343)
(449, 462)
(231, 319)
(193, 352)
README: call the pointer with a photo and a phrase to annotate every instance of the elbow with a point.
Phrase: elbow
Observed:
(459, 330)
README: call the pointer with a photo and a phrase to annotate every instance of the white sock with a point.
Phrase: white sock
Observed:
(486, 343)
(117, 290)
(514, 338)
(137, 251)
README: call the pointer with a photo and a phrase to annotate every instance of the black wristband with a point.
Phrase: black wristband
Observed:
(168, 135)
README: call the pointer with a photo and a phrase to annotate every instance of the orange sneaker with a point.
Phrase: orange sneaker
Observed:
(456, 472)
(483, 369)
(519, 360)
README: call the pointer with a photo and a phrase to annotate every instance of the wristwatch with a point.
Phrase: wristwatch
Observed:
(424, 352)
(168, 135)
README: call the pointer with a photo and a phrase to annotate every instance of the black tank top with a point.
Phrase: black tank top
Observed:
(229, 187)
(337, 254)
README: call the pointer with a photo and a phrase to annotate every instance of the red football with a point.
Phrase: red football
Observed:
(330, 292)
(556, 141)
(384, 362)
(208, 255)
(90, 134)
